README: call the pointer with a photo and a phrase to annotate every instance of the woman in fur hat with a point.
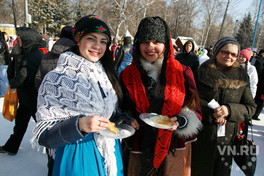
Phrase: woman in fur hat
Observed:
(76, 100)
(224, 80)
(156, 82)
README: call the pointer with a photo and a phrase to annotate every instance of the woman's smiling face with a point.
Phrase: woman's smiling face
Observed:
(152, 50)
(92, 46)
(227, 55)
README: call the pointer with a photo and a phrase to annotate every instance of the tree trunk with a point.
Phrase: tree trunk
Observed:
(222, 25)
(207, 32)
(117, 31)
(14, 13)
(259, 37)
(201, 43)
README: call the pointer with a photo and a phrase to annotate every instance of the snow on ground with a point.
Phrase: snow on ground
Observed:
(30, 162)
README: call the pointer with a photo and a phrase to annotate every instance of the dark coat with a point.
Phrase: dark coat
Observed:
(16, 54)
(259, 64)
(49, 61)
(228, 87)
(4, 53)
(155, 94)
(144, 140)
(29, 61)
(188, 59)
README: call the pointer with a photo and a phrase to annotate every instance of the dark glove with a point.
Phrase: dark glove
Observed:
(119, 118)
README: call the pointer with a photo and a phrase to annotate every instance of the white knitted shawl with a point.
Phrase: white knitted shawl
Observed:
(71, 89)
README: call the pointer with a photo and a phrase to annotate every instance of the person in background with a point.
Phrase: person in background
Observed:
(45, 37)
(243, 60)
(125, 62)
(50, 43)
(76, 101)
(113, 50)
(157, 83)
(210, 52)
(49, 61)
(125, 48)
(5, 59)
(259, 99)
(23, 80)
(188, 57)
(203, 57)
(6, 39)
(16, 58)
(199, 52)
(254, 54)
(5, 36)
(123, 58)
(4, 49)
(221, 78)
(56, 38)
(11, 43)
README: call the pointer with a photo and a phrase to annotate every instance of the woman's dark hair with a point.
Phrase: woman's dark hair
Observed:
(108, 65)
(192, 100)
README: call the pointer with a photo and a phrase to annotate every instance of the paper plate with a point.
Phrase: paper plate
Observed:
(146, 118)
(123, 131)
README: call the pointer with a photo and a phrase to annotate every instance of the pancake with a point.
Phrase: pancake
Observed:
(162, 121)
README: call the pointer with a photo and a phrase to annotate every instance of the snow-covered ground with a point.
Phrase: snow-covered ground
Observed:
(30, 162)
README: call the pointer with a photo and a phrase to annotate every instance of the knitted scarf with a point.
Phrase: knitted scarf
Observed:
(174, 94)
(72, 89)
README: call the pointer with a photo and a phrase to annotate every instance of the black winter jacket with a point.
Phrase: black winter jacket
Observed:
(188, 59)
(49, 61)
(4, 54)
(29, 61)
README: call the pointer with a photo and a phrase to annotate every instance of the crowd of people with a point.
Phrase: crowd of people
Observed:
(85, 82)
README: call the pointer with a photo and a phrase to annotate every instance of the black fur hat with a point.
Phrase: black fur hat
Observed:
(154, 28)
(151, 28)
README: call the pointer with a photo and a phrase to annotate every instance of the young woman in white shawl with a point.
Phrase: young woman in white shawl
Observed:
(76, 100)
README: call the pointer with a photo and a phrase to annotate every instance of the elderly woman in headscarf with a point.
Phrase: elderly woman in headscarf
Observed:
(224, 80)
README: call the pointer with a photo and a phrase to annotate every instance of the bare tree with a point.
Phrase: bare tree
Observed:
(184, 17)
(190, 14)
(260, 30)
(223, 21)
(6, 11)
(12, 12)
(122, 14)
(210, 14)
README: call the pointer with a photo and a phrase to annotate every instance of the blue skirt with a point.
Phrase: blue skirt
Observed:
(84, 159)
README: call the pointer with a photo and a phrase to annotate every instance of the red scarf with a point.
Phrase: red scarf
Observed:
(174, 94)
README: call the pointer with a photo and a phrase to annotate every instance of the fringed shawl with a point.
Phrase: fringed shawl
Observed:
(75, 87)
